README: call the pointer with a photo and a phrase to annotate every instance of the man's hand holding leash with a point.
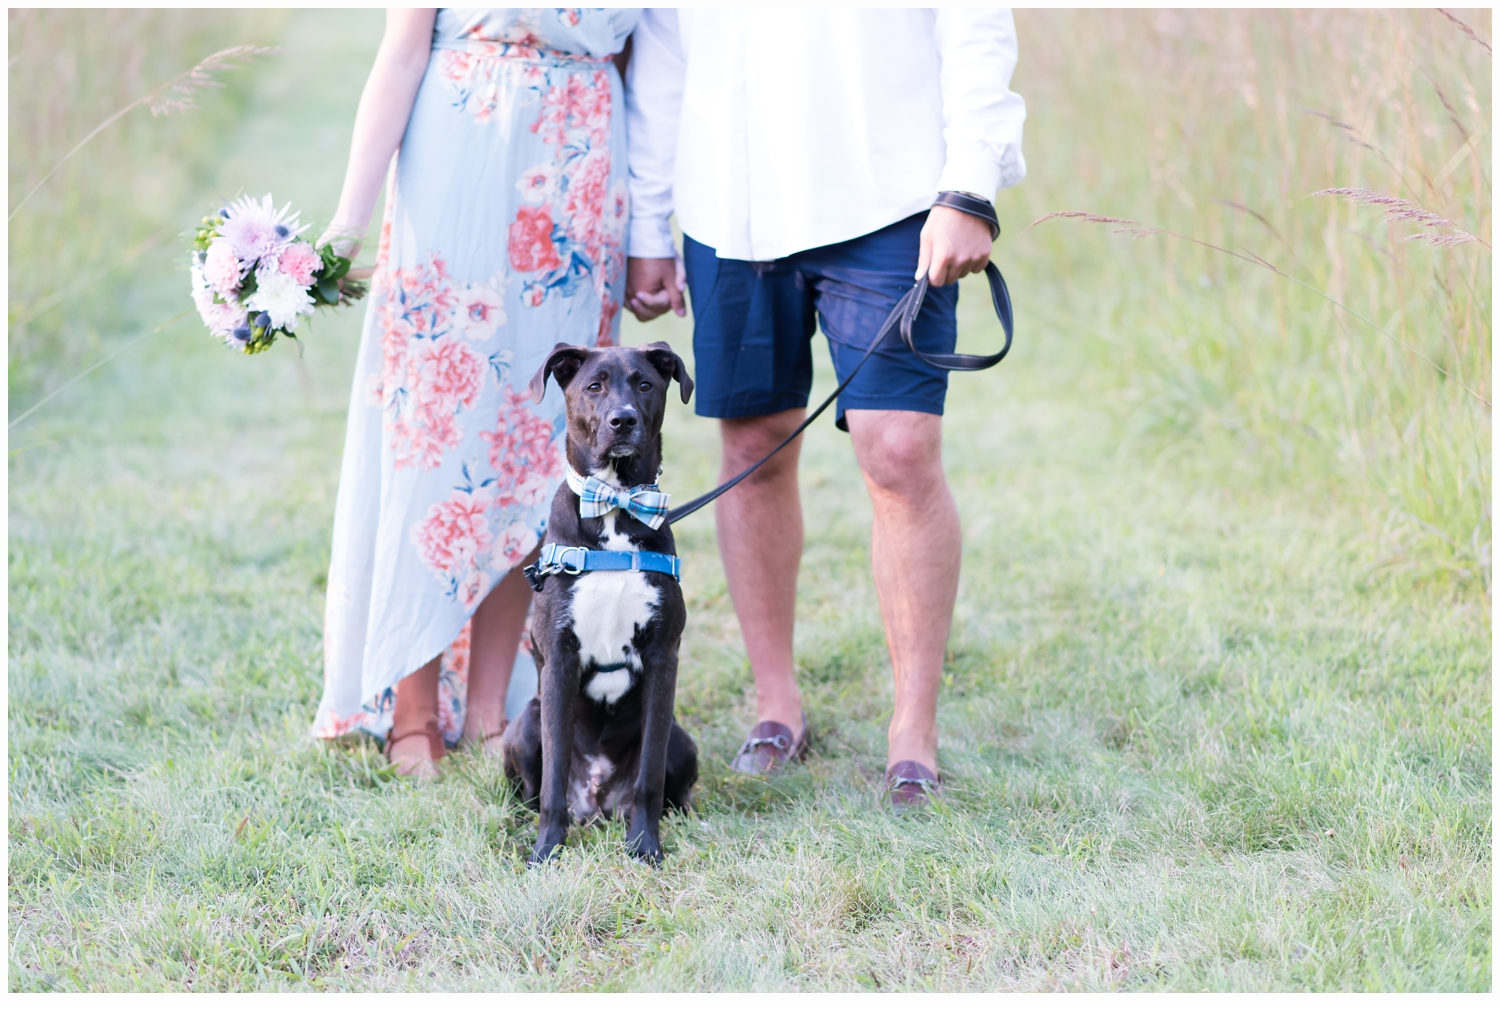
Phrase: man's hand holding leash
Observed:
(954, 245)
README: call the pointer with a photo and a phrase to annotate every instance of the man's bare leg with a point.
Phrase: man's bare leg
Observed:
(916, 547)
(759, 526)
(494, 638)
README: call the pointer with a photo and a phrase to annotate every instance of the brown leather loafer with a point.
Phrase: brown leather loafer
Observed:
(769, 747)
(912, 784)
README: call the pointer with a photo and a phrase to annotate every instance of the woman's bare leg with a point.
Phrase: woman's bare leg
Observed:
(416, 705)
(494, 638)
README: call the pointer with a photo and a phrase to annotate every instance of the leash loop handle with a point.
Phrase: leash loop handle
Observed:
(999, 295)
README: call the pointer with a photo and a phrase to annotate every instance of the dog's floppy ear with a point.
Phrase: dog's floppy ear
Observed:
(666, 361)
(564, 362)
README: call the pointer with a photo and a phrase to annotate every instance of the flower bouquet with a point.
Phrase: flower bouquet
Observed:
(254, 277)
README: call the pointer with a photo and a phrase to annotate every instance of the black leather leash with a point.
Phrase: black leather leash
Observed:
(901, 319)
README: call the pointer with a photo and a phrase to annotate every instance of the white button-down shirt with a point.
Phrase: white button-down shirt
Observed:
(774, 131)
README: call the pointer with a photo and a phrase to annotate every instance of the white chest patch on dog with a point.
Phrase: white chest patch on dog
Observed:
(607, 610)
(608, 687)
(585, 791)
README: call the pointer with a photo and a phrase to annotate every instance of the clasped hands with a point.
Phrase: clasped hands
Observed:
(954, 245)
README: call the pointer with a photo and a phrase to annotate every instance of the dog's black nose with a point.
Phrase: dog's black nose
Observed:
(622, 419)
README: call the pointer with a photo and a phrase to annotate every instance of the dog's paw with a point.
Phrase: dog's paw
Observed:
(545, 850)
(647, 850)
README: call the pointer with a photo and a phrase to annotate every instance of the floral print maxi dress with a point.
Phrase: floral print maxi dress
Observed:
(503, 235)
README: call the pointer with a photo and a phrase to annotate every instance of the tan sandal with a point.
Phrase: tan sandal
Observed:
(484, 741)
(418, 768)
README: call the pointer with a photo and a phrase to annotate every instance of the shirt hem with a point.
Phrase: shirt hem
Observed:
(813, 241)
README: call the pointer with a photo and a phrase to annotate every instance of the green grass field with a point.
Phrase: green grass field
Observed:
(1217, 712)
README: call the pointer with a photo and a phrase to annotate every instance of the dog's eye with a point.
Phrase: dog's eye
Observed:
(595, 386)
(645, 386)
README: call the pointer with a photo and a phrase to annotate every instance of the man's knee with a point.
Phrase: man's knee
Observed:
(900, 451)
(748, 439)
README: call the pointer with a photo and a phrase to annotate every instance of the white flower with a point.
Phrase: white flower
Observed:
(536, 183)
(220, 317)
(257, 230)
(481, 309)
(281, 297)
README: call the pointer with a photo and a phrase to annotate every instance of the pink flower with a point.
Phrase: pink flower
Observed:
(520, 34)
(448, 374)
(456, 656)
(453, 66)
(300, 261)
(552, 123)
(421, 297)
(530, 488)
(523, 453)
(454, 534)
(484, 100)
(589, 105)
(587, 188)
(221, 268)
(531, 246)
(425, 376)
(608, 309)
(396, 334)
(472, 587)
(421, 439)
(383, 251)
(222, 317)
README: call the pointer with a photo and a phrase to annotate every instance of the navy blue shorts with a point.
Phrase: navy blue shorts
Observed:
(754, 322)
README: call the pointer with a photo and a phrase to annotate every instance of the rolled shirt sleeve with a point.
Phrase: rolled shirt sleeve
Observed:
(982, 117)
(654, 81)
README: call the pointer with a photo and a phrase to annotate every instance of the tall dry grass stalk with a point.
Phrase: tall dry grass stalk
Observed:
(1345, 151)
(105, 190)
(175, 95)
(1401, 210)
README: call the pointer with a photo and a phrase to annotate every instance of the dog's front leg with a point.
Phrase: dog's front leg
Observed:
(643, 839)
(559, 695)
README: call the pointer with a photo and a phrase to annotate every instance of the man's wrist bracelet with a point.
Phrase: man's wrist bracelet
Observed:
(968, 203)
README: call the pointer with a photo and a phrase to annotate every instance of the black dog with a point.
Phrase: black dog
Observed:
(600, 738)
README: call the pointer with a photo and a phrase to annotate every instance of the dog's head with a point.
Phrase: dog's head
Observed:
(616, 399)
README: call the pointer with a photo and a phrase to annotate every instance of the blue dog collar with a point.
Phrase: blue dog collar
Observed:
(558, 559)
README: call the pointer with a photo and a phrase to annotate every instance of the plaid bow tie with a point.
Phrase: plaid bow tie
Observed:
(595, 498)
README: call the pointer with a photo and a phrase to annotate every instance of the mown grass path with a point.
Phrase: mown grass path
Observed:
(1188, 743)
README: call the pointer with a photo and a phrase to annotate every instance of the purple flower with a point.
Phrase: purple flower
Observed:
(256, 230)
